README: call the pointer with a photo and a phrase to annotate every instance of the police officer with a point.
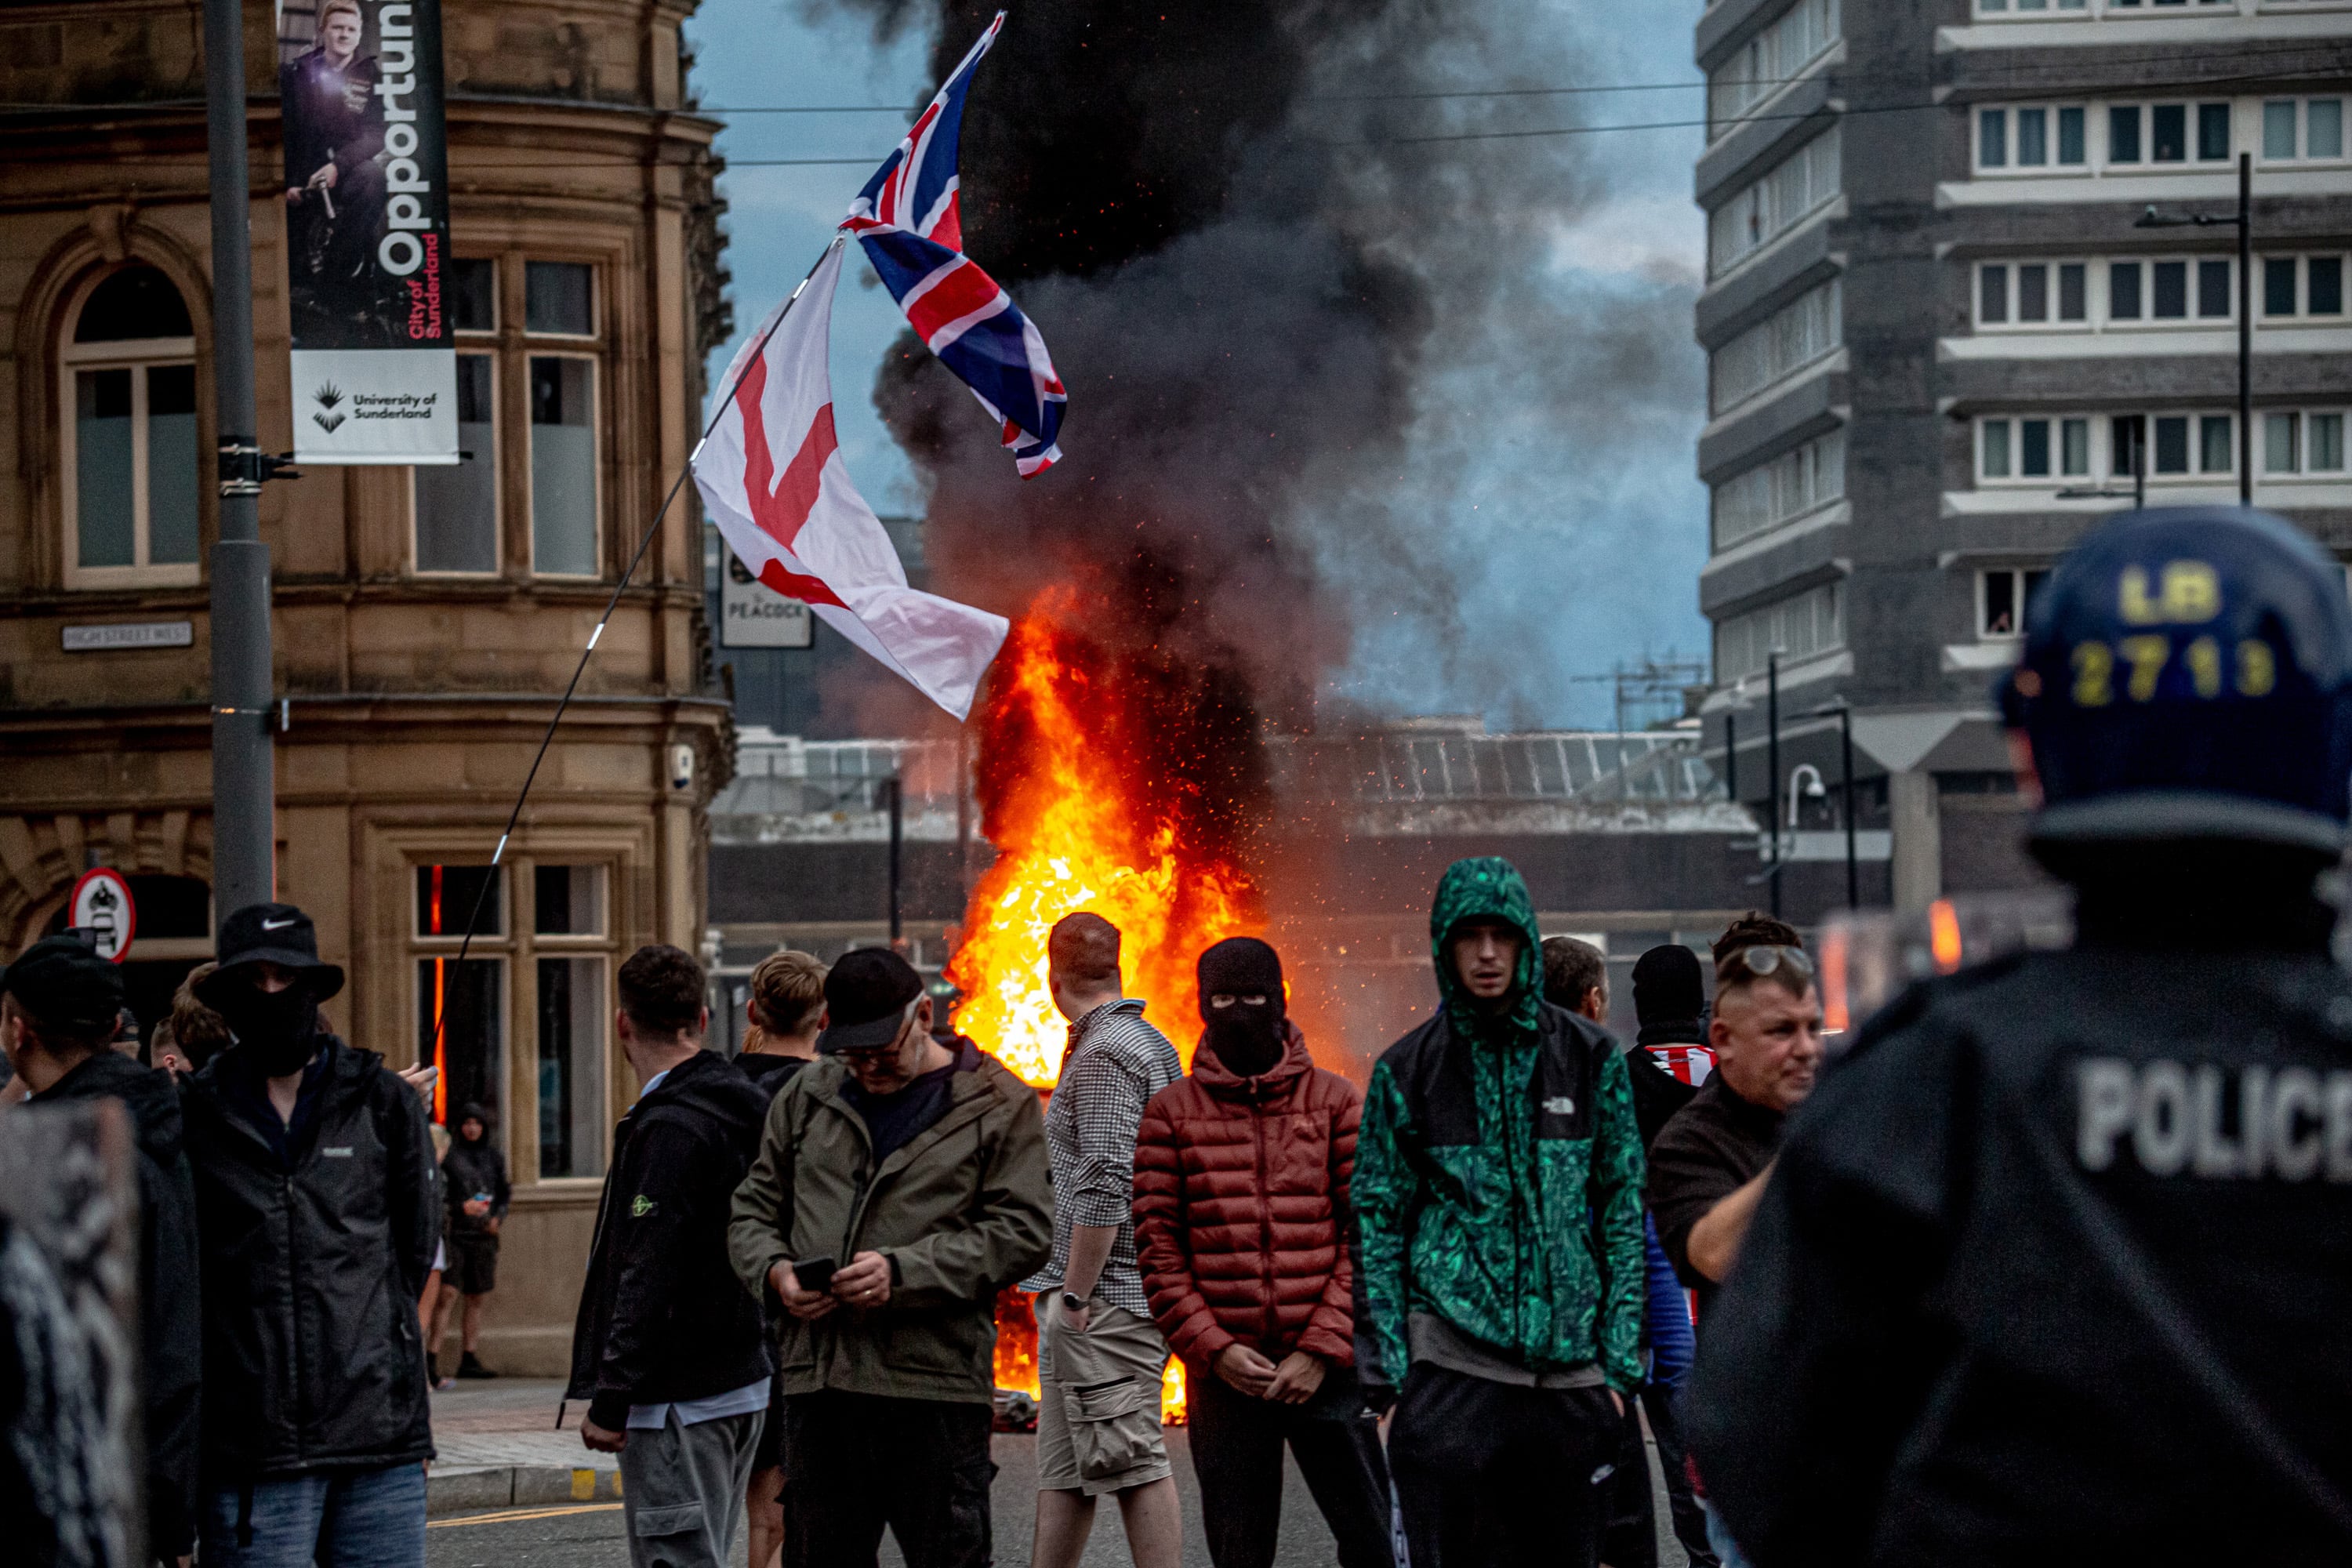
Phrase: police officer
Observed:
(2057, 1263)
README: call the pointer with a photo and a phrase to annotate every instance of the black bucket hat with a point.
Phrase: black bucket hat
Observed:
(271, 933)
(868, 996)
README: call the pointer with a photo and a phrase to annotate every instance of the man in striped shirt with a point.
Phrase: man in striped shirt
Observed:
(1099, 1358)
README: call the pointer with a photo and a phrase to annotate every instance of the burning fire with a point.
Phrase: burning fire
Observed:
(1016, 1356)
(1084, 803)
(1086, 797)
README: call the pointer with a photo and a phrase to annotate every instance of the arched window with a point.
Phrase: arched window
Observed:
(132, 463)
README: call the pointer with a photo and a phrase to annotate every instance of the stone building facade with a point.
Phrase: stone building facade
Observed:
(1938, 333)
(425, 620)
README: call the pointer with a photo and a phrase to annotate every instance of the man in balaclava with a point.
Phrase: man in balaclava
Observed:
(1499, 1189)
(317, 1217)
(1240, 1197)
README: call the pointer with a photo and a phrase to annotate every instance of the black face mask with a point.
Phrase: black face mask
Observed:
(1247, 1040)
(280, 1028)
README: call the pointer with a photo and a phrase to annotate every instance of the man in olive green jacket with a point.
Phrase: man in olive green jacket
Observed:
(900, 1183)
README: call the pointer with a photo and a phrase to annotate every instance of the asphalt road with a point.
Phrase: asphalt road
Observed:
(589, 1535)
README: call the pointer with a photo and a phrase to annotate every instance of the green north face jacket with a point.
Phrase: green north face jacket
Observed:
(1498, 1173)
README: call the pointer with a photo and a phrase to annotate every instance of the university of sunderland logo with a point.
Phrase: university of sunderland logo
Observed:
(329, 398)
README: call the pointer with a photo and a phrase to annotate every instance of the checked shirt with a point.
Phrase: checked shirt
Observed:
(1115, 1063)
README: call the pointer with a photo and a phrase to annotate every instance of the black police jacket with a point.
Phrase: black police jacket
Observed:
(2055, 1266)
(170, 1343)
(662, 1316)
(312, 1356)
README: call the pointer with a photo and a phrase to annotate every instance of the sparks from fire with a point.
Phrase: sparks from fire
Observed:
(1076, 782)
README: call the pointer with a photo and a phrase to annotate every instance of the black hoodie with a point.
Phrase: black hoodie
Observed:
(662, 1316)
(474, 1166)
(312, 1264)
(171, 1338)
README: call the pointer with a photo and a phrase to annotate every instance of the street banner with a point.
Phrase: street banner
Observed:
(367, 231)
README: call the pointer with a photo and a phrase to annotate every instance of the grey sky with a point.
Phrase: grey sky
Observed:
(1554, 458)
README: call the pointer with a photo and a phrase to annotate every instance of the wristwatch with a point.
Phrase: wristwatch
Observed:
(1073, 1302)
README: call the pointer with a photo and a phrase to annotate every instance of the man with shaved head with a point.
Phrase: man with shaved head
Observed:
(1099, 1356)
(1709, 1165)
(1713, 1158)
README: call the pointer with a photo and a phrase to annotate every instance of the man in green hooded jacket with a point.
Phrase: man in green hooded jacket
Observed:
(1498, 1190)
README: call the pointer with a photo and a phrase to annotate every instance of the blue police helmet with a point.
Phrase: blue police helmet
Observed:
(2187, 674)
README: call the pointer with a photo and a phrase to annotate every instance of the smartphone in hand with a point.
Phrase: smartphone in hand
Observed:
(814, 1273)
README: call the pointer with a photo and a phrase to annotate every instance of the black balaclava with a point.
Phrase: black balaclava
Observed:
(1247, 1037)
(473, 1111)
(279, 1028)
(1670, 997)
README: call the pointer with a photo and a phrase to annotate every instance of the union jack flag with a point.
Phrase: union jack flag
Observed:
(908, 219)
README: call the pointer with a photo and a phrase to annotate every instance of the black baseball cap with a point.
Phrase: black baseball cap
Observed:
(61, 983)
(271, 933)
(868, 996)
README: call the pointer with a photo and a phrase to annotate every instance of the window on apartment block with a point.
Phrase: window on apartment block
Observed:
(2044, 293)
(2030, 138)
(2033, 447)
(2303, 286)
(2172, 290)
(1779, 488)
(2302, 441)
(2186, 445)
(133, 471)
(2303, 130)
(2169, 134)
(2003, 596)
(1795, 628)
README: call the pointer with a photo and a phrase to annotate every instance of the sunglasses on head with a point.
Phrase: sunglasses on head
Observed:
(1764, 959)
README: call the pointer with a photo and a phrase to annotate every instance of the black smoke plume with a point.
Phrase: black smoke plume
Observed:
(1226, 222)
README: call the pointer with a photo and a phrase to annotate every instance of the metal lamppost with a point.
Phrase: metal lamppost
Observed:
(245, 787)
(893, 794)
(2244, 219)
(1844, 712)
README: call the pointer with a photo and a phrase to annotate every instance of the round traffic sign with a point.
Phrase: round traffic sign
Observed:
(102, 903)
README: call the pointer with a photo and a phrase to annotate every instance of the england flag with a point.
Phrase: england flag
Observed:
(772, 479)
(912, 229)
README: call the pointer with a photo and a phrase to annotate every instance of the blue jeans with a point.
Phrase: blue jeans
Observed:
(1727, 1549)
(337, 1519)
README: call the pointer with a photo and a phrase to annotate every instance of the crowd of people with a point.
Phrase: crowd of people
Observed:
(2008, 1289)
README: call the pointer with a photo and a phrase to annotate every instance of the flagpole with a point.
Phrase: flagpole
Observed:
(473, 916)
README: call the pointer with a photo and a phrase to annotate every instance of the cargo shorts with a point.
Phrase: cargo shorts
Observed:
(1098, 1400)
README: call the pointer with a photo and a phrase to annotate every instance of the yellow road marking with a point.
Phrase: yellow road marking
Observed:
(514, 1514)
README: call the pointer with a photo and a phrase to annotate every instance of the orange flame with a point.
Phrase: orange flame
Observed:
(1086, 803)
(1016, 1342)
(1081, 810)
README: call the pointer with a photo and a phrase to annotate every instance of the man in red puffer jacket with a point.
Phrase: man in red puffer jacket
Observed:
(1241, 1226)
